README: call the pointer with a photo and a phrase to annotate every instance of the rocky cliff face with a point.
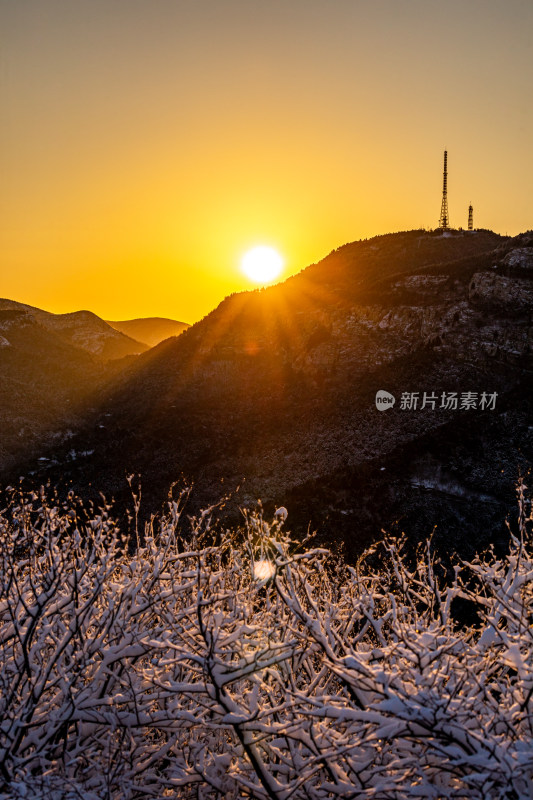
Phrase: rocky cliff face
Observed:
(277, 389)
(493, 292)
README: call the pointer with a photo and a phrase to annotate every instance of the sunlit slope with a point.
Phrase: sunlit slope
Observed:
(261, 320)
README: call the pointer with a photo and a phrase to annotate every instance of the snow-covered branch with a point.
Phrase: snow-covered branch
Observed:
(240, 663)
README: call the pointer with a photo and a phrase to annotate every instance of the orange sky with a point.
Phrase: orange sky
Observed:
(146, 144)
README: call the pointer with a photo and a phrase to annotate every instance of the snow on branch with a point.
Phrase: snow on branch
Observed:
(243, 664)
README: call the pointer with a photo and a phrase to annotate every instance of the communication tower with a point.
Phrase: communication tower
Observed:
(444, 222)
(470, 217)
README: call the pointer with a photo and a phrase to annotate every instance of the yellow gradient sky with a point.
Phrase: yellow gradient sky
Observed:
(145, 145)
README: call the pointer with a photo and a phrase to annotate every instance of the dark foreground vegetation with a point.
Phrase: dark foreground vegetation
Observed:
(230, 664)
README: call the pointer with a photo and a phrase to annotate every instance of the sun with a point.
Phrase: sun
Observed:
(262, 264)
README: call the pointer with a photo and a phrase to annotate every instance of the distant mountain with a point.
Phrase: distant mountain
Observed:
(51, 365)
(150, 330)
(43, 382)
(277, 388)
(82, 329)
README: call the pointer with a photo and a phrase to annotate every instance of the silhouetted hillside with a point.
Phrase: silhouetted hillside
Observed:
(149, 330)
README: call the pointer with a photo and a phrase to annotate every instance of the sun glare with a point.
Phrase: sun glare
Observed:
(262, 264)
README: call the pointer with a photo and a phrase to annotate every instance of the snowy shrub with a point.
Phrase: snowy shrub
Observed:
(241, 664)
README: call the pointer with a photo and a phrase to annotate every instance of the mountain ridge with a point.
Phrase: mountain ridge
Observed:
(149, 330)
(83, 329)
(277, 387)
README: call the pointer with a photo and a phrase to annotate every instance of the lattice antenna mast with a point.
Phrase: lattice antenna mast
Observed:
(470, 217)
(444, 221)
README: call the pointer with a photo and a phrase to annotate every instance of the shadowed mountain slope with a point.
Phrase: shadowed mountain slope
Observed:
(43, 380)
(277, 388)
